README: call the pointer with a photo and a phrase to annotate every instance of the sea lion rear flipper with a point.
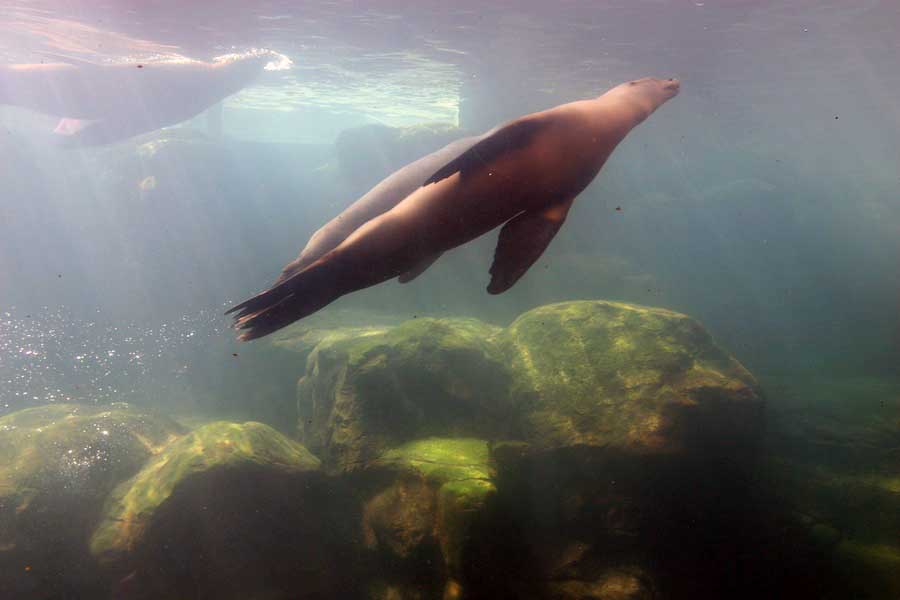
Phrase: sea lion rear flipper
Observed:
(508, 137)
(522, 241)
(285, 302)
(420, 268)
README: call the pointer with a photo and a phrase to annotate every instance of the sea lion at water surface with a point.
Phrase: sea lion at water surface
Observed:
(525, 174)
(106, 103)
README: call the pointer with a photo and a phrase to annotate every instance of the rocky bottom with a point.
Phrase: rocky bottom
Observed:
(590, 450)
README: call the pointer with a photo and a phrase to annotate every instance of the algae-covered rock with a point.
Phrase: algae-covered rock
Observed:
(615, 375)
(872, 570)
(57, 464)
(229, 511)
(460, 471)
(330, 326)
(633, 422)
(427, 516)
(376, 390)
(612, 584)
(218, 445)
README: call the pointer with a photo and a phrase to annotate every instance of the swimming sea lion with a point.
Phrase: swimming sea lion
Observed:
(525, 174)
(381, 198)
(101, 104)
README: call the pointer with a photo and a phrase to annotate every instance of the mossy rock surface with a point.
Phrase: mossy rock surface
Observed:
(432, 508)
(864, 507)
(215, 446)
(377, 390)
(57, 464)
(443, 460)
(873, 570)
(622, 376)
(331, 326)
(613, 584)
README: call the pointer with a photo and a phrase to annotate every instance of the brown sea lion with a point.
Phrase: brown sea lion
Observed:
(101, 104)
(525, 174)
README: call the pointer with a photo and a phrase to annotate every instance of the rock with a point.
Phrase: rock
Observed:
(630, 378)
(400, 520)
(379, 389)
(303, 336)
(426, 515)
(871, 570)
(619, 407)
(613, 584)
(57, 464)
(864, 507)
(229, 511)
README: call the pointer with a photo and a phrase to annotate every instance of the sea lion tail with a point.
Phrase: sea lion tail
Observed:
(285, 302)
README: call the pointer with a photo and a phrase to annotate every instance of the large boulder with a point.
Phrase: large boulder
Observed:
(229, 511)
(57, 464)
(630, 378)
(591, 413)
(619, 407)
(302, 337)
(378, 388)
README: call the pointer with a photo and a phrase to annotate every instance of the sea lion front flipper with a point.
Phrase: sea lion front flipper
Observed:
(420, 268)
(522, 241)
(508, 137)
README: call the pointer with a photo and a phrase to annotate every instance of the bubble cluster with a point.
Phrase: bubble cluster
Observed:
(50, 356)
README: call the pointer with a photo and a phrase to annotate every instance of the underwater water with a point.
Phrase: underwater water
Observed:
(693, 392)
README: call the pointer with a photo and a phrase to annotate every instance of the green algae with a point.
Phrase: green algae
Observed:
(461, 470)
(421, 335)
(427, 377)
(75, 449)
(597, 372)
(213, 446)
(444, 460)
(58, 463)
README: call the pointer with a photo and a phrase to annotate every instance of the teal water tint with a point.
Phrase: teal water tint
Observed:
(721, 418)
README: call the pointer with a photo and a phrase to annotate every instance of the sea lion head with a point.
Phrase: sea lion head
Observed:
(658, 90)
(646, 95)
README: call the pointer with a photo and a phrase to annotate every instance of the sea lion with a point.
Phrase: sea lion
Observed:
(381, 198)
(101, 104)
(525, 174)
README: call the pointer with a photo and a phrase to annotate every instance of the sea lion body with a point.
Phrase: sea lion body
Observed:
(380, 199)
(101, 104)
(525, 174)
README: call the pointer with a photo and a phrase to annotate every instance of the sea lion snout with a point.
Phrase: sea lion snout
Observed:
(670, 86)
